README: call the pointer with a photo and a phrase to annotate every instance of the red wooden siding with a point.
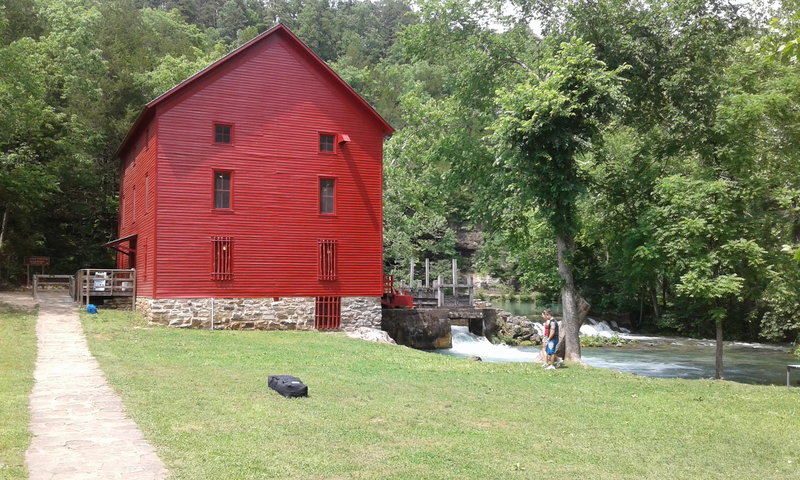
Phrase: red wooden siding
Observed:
(138, 171)
(278, 99)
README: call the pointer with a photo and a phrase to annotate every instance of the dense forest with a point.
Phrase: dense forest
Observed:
(641, 155)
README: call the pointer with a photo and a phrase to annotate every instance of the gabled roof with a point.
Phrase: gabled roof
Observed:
(149, 109)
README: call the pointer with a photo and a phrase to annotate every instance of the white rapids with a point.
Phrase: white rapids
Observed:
(466, 344)
(664, 357)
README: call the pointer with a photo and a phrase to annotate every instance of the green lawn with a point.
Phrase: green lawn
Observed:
(386, 412)
(17, 358)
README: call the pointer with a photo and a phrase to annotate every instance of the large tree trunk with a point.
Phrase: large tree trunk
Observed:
(575, 308)
(718, 356)
(3, 225)
(654, 299)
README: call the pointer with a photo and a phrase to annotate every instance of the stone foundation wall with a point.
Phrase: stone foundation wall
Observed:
(287, 313)
(361, 312)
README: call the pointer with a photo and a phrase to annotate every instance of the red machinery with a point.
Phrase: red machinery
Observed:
(393, 297)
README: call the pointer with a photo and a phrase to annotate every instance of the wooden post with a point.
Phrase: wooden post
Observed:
(427, 273)
(212, 314)
(88, 280)
(471, 288)
(455, 281)
(133, 290)
(439, 292)
(35, 284)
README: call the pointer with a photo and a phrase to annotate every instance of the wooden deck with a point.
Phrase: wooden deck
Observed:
(95, 282)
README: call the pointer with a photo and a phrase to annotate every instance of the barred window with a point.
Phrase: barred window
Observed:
(328, 313)
(327, 259)
(223, 258)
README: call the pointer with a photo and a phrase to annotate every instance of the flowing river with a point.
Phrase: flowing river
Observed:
(663, 357)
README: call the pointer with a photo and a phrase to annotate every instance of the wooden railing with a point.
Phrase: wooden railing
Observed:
(52, 281)
(94, 282)
(440, 294)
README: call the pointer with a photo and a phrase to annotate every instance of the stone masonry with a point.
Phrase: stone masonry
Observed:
(286, 313)
(360, 312)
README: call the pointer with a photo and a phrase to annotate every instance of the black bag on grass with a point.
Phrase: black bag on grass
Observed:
(287, 385)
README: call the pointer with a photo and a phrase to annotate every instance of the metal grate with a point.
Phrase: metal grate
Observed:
(223, 258)
(327, 259)
(328, 313)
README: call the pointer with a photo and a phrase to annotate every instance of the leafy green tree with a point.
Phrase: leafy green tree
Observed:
(19, 19)
(759, 116)
(676, 54)
(544, 123)
(697, 230)
(232, 18)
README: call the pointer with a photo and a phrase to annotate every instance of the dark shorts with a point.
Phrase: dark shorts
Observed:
(551, 347)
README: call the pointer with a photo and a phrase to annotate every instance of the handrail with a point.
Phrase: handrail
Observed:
(104, 282)
(47, 279)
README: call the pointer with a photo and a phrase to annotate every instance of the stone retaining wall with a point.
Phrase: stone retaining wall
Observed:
(429, 329)
(286, 313)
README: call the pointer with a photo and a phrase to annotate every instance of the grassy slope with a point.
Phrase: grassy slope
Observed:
(17, 357)
(385, 412)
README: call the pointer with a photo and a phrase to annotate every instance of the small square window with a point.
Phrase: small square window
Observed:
(222, 133)
(326, 143)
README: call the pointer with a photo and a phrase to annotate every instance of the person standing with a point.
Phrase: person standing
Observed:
(551, 339)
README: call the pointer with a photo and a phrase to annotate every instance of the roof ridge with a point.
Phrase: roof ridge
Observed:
(388, 129)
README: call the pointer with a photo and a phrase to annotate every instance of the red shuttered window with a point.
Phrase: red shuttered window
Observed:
(223, 258)
(328, 313)
(327, 259)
